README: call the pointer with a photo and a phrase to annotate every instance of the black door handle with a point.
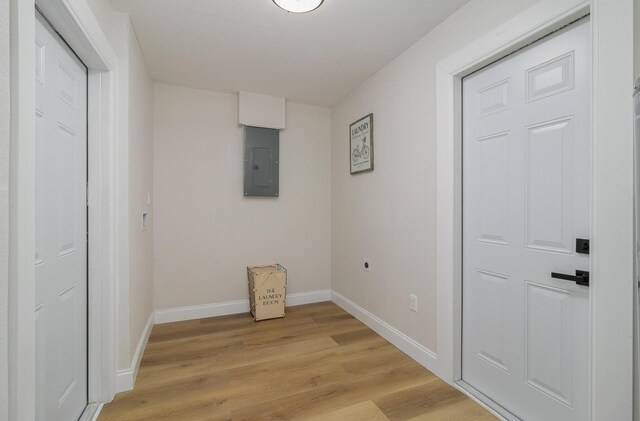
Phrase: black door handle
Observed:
(581, 277)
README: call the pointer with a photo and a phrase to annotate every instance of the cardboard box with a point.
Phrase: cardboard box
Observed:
(267, 291)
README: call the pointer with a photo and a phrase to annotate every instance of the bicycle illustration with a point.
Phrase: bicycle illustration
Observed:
(360, 154)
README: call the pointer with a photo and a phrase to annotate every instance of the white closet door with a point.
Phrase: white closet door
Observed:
(61, 228)
(526, 199)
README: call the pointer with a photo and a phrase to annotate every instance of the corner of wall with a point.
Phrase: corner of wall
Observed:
(140, 186)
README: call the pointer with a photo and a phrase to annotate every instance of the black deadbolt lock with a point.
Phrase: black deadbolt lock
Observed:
(582, 246)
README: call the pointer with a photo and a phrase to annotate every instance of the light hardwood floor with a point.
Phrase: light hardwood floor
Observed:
(318, 363)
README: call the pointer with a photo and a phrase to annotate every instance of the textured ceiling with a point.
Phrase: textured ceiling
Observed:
(252, 45)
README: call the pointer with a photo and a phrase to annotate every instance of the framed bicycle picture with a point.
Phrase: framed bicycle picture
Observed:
(361, 141)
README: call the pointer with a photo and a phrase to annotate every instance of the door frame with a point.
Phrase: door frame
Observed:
(610, 302)
(75, 22)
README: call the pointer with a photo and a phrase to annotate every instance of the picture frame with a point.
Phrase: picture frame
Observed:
(361, 145)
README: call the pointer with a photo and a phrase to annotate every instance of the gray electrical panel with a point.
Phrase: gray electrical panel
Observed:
(261, 161)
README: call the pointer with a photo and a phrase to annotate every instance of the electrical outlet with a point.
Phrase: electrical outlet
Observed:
(413, 302)
(366, 264)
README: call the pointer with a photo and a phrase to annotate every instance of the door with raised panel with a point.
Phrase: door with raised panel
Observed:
(61, 228)
(526, 200)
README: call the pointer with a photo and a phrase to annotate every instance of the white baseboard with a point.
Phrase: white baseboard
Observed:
(127, 378)
(97, 413)
(179, 314)
(308, 297)
(421, 354)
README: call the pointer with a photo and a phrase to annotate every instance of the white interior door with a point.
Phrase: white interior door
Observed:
(526, 199)
(61, 228)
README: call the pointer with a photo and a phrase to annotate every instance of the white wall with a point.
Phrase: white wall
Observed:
(206, 232)
(140, 188)
(389, 215)
(4, 207)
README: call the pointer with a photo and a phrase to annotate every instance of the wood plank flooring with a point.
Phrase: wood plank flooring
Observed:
(318, 363)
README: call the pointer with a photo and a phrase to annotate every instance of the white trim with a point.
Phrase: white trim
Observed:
(127, 378)
(611, 303)
(91, 412)
(462, 387)
(612, 211)
(310, 297)
(179, 314)
(21, 214)
(97, 413)
(75, 21)
(102, 251)
(421, 354)
(124, 380)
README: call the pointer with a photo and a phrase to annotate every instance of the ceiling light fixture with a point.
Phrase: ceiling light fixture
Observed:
(298, 6)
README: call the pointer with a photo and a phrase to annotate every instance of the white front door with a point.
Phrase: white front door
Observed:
(526, 200)
(61, 228)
